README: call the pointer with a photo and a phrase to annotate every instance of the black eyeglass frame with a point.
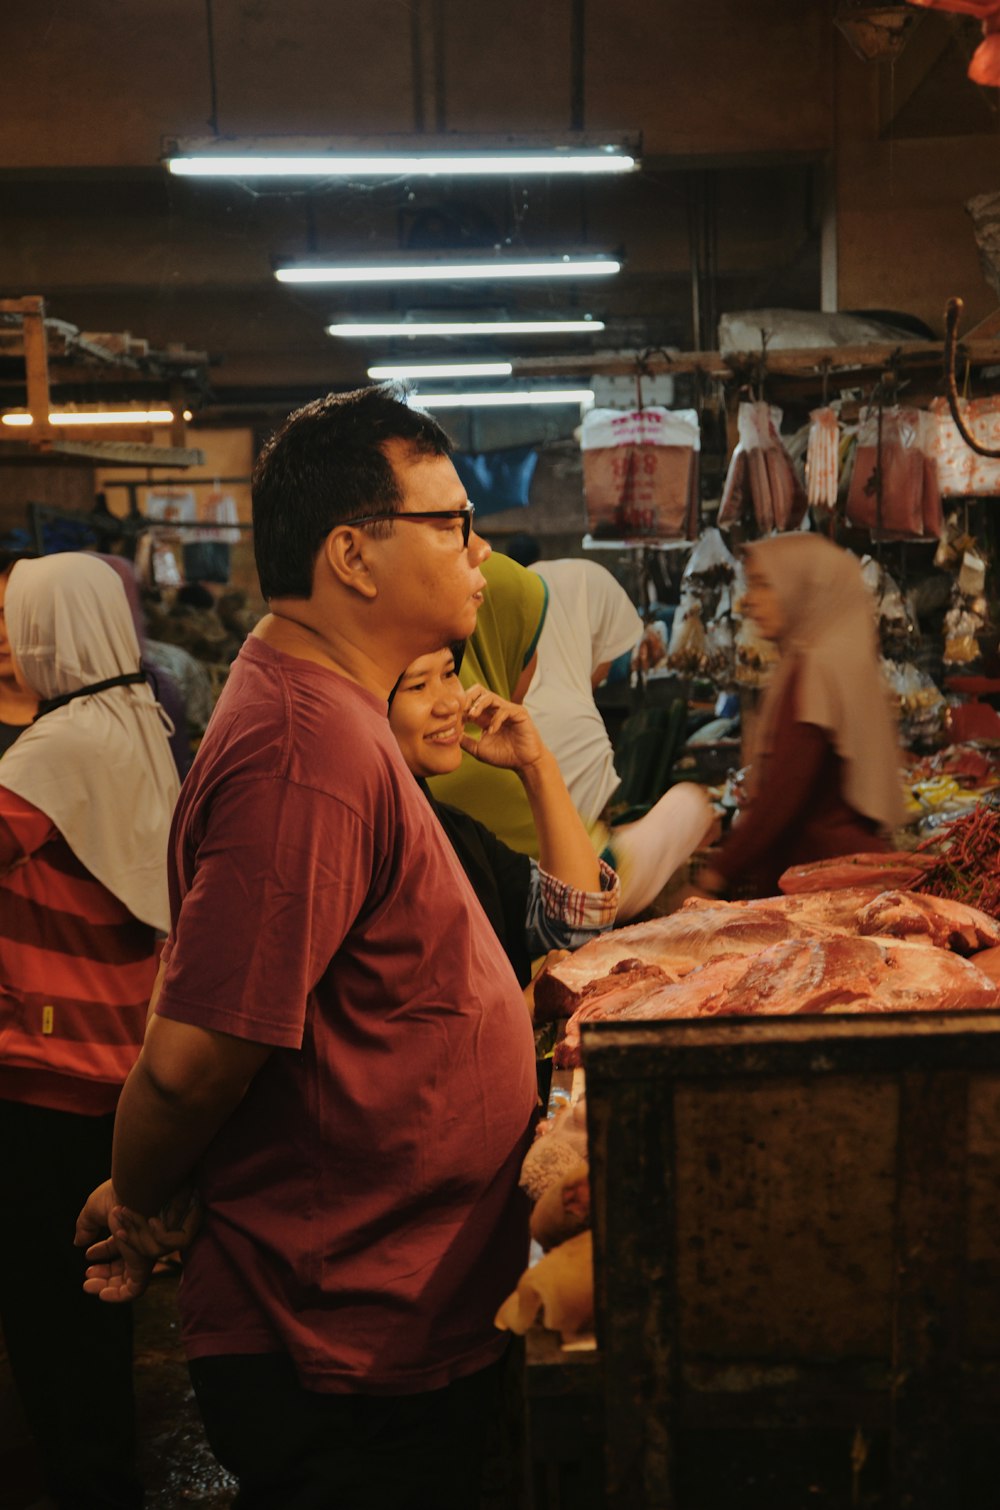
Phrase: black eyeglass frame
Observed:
(466, 515)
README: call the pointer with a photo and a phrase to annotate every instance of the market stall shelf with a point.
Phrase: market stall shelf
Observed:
(796, 1225)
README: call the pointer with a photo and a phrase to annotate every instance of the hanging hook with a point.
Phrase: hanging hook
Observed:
(765, 336)
(952, 314)
(639, 371)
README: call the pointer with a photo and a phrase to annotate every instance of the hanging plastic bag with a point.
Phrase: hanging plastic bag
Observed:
(735, 501)
(711, 561)
(897, 628)
(755, 657)
(823, 458)
(640, 472)
(919, 703)
(894, 490)
(688, 652)
(720, 644)
(963, 622)
(761, 476)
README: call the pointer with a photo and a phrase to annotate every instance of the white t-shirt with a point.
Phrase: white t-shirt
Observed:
(590, 619)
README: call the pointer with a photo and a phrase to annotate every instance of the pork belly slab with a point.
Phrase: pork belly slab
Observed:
(834, 974)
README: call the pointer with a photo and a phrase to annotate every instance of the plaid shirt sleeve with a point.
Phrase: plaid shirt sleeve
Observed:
(563, 917)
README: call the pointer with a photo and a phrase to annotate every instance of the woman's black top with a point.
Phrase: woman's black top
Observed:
(499, 875)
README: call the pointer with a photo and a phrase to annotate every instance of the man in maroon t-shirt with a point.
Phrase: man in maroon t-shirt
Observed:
(339, 1054)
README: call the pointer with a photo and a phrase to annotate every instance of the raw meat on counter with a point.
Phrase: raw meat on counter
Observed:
(988, 961)
(814, 912)
(948, 925)
(890, 868)
(625, 981)
(834, 974)
(675, 945)
(700, 931)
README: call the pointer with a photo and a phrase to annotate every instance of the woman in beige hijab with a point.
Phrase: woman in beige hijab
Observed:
(825, 765)
(18, 705)
(86, 795)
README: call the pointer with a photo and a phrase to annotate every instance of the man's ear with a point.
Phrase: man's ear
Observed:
(344, 554)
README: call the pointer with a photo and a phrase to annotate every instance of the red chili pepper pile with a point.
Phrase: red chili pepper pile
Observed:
(968, 864)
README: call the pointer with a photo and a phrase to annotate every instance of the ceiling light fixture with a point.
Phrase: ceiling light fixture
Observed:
(499, 400)
(443, 370)
(99, 417)
(311, 157)
(496, 270)
(390, 329)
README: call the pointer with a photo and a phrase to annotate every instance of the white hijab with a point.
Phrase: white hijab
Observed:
(829, 641)
(100, 766)
(590, 620)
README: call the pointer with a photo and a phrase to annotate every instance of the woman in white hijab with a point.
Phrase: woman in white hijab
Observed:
(825, 760)
(86, 796)
(590, 622)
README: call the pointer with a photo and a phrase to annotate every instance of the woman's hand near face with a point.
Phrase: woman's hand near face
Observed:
(508, 739)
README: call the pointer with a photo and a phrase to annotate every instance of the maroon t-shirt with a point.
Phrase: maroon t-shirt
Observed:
(362, 1206)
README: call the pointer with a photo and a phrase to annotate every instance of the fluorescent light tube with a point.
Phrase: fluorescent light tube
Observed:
(100, 417)
(527, 396)
(497, 271)
(400, 164)
(444, 370)
(389, 329)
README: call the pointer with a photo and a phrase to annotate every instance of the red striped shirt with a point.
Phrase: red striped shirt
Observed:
(76, 971)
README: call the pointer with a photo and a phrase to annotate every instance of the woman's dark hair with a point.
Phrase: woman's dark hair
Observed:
(325, 464)
(457, 648)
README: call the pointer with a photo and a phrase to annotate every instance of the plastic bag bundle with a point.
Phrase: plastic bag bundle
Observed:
(755, 657)
(963, 623)
(761, 479)
(823, 459)
(898, 631)
(919, 703)
(720, 646)
(688, 651)
(710, 563)
(894, 489)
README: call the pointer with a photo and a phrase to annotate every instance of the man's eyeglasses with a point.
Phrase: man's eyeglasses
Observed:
(466, 516)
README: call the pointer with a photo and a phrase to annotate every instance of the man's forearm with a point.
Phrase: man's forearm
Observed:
(158, 1141)
(183, 1087)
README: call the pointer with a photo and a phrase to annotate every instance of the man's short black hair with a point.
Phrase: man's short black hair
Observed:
(325, 464)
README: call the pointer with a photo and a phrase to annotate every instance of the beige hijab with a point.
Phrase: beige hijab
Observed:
(100, 766)
(829, 640)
